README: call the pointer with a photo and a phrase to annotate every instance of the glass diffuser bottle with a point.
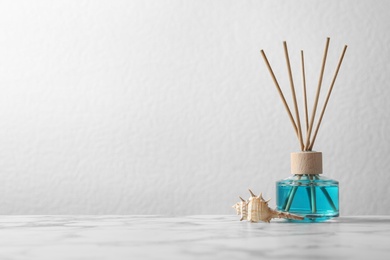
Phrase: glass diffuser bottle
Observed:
(307, 192)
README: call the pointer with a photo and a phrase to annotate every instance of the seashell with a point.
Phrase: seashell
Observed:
(242, 208)
(256, 209)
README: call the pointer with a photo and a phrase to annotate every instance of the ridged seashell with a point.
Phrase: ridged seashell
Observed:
(256, 209)
(242, 208)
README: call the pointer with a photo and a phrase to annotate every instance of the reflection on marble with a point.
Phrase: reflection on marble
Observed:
(191, 237)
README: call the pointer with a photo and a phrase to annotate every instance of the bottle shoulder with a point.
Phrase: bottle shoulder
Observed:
(307, 179)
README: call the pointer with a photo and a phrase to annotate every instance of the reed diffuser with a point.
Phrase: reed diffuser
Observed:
(307, 192)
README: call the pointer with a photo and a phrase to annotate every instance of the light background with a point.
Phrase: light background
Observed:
(166, 107)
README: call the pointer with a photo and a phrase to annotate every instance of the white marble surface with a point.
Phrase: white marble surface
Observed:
(190, 237)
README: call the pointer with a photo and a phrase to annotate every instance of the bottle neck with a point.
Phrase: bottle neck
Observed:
(307, 176)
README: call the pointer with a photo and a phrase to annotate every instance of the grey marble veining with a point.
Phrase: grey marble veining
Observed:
(191, 237)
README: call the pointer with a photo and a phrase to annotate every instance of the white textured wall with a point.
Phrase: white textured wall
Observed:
(166, 107)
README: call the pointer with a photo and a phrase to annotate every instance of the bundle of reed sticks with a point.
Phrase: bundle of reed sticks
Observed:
(307, 144)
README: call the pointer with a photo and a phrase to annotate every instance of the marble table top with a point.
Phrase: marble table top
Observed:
(191, 237)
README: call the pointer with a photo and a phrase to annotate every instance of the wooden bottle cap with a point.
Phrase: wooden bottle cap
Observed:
(306, 163)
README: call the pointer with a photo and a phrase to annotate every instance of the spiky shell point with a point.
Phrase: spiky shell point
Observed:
(256, 209)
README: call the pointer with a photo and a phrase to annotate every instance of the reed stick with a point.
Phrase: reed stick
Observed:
(293, 95)
(290, 196)
(280, 92)
(312, 194)
(328, 198)
(309, 196)
(327, 97)
(307, 146)
(304, 92)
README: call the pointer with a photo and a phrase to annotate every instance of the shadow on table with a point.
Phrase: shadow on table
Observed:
(362, 219)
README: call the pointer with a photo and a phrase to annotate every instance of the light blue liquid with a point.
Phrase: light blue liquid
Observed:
(312, 196)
